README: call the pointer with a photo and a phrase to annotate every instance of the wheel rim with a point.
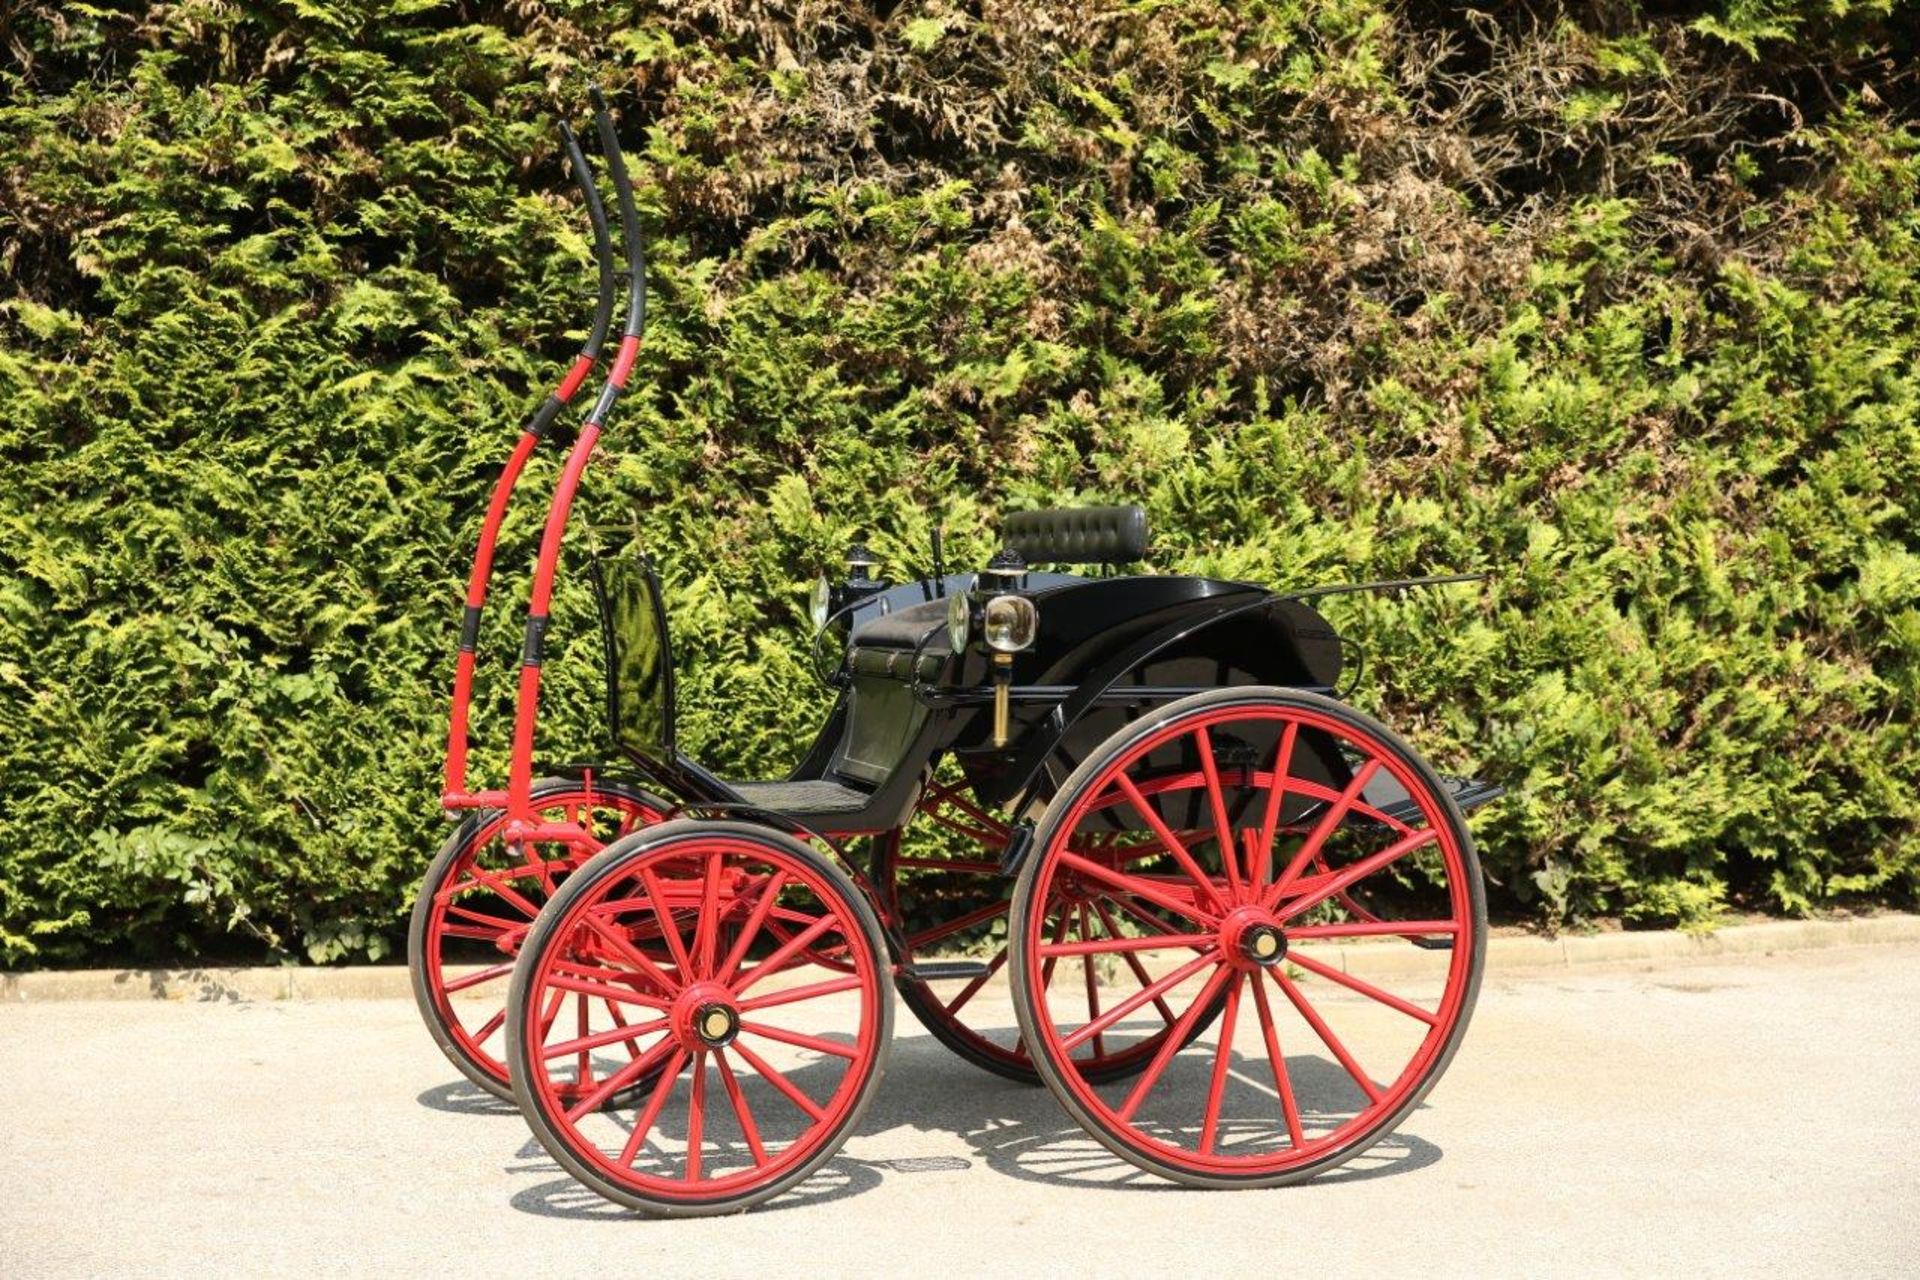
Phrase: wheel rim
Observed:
(1313, 865)
(739, 1098)
(487, 901)
(973, 876)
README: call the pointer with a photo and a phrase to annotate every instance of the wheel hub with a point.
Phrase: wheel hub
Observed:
(704, 1017)
(1251, 938)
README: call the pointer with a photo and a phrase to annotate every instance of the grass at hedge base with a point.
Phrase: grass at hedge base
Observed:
(1623, 308)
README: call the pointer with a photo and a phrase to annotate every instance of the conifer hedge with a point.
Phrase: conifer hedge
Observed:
(1620, 302)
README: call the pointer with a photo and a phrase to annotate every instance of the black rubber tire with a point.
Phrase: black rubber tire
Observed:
(455, 848)
(611, 861)
(1063, 803)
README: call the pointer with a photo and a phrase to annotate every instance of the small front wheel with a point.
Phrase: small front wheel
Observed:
(477, 901)
(762, 1021)
(1324, 887)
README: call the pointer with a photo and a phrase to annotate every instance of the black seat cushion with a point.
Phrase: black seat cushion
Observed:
(1077, 535)
(807, 798)
(903, 628)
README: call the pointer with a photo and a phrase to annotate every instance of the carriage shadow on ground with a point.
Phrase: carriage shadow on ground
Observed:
(1016, 1130)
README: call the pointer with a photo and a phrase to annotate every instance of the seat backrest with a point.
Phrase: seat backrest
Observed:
(639, 659)
(1077, 535)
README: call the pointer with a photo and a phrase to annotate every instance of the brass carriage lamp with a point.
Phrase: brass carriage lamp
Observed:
(1008, 624)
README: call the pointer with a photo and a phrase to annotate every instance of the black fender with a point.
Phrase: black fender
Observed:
(1301, 649)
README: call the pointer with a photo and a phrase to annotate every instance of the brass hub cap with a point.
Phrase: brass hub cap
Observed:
(1264, 945)
(1251, 939)
(716, 1025)
(704, 1017)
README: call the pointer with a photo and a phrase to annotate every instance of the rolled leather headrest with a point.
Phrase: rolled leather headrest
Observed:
(1077, 535)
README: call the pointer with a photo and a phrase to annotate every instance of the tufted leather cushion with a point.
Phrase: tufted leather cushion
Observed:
(1078, 535)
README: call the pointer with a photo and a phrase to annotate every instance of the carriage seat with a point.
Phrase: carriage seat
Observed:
(887, 645)
(806, 798)
(1077, 535)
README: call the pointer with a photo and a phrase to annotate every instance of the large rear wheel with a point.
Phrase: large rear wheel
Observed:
(1327, 892)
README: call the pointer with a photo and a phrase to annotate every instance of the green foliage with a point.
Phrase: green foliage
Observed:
(1623, 307)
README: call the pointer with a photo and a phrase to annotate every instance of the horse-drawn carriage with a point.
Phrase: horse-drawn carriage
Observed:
(1144, 818)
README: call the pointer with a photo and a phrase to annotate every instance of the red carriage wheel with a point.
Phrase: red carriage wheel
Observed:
(477, 902)
(762, 1057)
(1282, 825)
(960, 1011)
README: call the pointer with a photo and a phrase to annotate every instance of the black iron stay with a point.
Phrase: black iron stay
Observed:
(1384, 584)
(1051, 694)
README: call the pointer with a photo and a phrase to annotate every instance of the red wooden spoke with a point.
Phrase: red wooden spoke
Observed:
(1133, 961)
(593, 1040)
(769, 894)
(618, 1080)
(561, 982)
(707, 928)
(800, 1039)
(1359, 871)
(741, 1111)
(1365, 988)
(548, 1014)
(1113, 946)
(1331, 795)
(487, 974)
(1375, 928)
(1151, 992)
(664, 914)
(1281, 1080)
(1321, 1029)
(1179, 851)
(471, 933)
(1136, 886)
(951, 796)
(620, 1020)
(1217, 801)
(966, 992)
(1222, 1057)
(621, 980)
(1262, 862)
(498, 924)
(696, 1117)
(773, 1077)
(1093, 987)
(490, 1026)
(1310, 847)
(794, 995)
(972, 833)
(630, 953)
(643, 1123)
(958, 924)
(778, 960)
(505, 892)
(1134, 909)
(1172, 1044)
(1059, 934)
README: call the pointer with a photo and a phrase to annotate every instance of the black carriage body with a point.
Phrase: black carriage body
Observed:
(1107, 649)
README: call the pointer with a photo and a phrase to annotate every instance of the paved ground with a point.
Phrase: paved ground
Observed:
(1724, 1120)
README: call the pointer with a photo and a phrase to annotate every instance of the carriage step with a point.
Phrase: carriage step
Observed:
(946, 970)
